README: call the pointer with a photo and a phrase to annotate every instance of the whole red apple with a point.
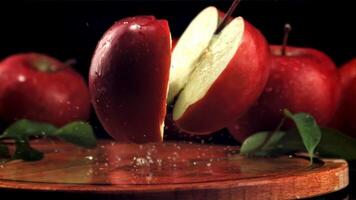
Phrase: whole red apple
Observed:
(38, 87)
(302, 80)
(128, 79)
(345, 118)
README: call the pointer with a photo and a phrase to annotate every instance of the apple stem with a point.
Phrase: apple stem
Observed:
(227, 15)
(287, 29)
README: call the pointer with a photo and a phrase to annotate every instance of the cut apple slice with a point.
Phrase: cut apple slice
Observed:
(228, 78)
(189, 48)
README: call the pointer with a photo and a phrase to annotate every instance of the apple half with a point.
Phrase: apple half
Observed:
(227, 77)
(129, 76)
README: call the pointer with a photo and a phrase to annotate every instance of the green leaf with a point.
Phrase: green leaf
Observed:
(4, 151)
(308, 130)
(25, 152)
(79, 133)
(262, 143)
(335, 144)
(26, 128)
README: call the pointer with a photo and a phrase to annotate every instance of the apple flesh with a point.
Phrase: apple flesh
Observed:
(41, 88)
(303, 80)
(345, 117)
(189, 48)
(128, 79)
(228, 75)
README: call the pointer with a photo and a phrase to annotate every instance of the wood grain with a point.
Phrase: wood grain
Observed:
(171, 171)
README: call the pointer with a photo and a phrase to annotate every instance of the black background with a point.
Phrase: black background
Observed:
(71, 29)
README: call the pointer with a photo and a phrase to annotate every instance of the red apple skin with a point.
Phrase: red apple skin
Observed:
(172, 132)
(235, 90)
(174, 43)
(345, 117)
(58, 95)
(129, 76)
(348, 73)
(305, 80)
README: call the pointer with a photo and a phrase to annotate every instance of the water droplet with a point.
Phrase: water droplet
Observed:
(89, 157)
(135, 27)
(21, 78)
(208, 164)
(98, 74)
(140, 162)
(194, 163)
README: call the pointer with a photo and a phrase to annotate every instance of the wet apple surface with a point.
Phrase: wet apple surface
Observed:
(128, 79)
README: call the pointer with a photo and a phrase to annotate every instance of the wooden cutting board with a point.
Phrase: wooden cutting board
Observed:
(171, 171)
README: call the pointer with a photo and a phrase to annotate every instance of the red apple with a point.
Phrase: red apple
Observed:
(345, 118)
(219, 76)
(128, 79)
(41, 88)
(348, 73)
(303, 80)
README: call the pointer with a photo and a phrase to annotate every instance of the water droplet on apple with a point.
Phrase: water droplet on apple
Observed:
(135, 27)
(21, 78)
(98, 74)
(89, 157)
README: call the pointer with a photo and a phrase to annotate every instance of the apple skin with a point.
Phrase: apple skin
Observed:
(129, 76)
(38, 87)
(345, 117)
(347, 73)
(174, 42)
(235, 90)
(305, 80)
